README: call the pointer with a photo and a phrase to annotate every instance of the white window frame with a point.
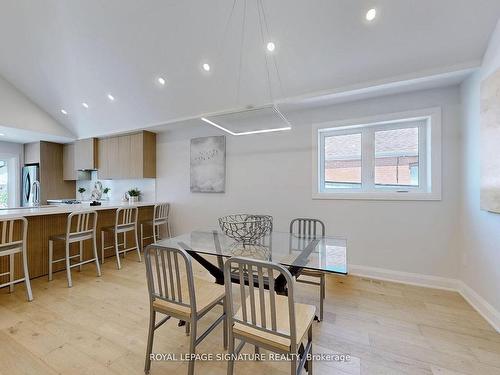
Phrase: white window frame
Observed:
(429, 156)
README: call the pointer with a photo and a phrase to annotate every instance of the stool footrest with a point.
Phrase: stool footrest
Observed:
(82, 263)
(13, 282)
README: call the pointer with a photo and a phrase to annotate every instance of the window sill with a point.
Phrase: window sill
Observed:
(379, 196)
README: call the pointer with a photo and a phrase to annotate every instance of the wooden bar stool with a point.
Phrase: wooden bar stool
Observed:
(160, 217)
(13, 234)
(81, 226)
(125, 222)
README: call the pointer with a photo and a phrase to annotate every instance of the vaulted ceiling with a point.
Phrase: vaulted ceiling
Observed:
(62, 53)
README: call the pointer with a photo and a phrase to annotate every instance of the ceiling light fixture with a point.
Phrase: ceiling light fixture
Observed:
(111, 97)
(2, 135)
(217, 119)
(371, 14)
(63, 111)
(85, 105)
(161, 81)
(257, 117)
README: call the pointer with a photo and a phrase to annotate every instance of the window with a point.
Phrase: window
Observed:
(4, 183)
(395, 156)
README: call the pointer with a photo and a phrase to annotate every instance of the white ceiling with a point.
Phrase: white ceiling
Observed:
(61, 53)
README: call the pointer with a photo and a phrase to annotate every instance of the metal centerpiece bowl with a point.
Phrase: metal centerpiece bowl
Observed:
(246, 228)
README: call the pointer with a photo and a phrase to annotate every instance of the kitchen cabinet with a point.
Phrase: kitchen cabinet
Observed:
(69, 171)
(128, 156)
(86, 154)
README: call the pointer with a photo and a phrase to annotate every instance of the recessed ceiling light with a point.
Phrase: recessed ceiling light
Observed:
(111, 97)
(371, 14)
(2, 135)
(161, 81)
(270, 46)
(85, 105)
(206, 67)
(64, 112)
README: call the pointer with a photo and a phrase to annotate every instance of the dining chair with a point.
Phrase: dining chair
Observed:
(175, 292)
(125, 222)
(160, 218)
(80, 227)
(304, 227)
(13, 235)
(264, 318)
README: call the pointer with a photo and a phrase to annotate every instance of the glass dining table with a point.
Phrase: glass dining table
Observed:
(210, 248)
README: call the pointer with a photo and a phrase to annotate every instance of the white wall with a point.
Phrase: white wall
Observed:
(18, 112)
(14, 153)
(480, 259)
(271, 174)
(118, 188)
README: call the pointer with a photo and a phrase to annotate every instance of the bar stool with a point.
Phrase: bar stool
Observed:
(125, 221)
(160, 217)
(81, 226)
(13, 241)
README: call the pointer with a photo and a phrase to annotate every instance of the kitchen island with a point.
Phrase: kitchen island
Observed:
(47, 221)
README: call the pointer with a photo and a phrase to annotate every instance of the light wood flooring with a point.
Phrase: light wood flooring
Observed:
(99, 327)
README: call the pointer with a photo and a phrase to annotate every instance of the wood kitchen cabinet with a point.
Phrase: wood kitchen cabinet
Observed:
(86, 154)
(128, 156)
(69, 171)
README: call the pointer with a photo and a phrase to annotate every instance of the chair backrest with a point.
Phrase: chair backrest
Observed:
(13, 234)
(81, 224)
(258, 304)
(167, 271)
(126, 217)
(161, 211)
(307, 227)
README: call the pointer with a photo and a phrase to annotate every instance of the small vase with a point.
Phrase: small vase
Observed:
(82, 196)
(133, 199)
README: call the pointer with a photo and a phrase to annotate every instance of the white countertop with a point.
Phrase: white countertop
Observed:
(65, 208)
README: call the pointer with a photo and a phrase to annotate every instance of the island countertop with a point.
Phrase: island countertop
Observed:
(47, 221)
(10, 213)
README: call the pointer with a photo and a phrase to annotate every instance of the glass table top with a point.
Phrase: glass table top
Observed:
(322, 253)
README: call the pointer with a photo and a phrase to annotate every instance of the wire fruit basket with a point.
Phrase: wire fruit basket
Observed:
(246, 228)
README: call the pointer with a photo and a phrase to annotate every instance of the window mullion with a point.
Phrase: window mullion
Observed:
(368, 159)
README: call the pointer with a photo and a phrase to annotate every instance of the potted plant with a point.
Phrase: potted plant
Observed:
(105, 191)
(82, 190)
(133, 195)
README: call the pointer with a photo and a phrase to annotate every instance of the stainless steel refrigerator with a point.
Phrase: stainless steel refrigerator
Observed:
(30, 186)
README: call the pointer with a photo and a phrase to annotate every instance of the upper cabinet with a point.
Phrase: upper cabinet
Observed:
(127, 156)
(86, 154)
(69, 170)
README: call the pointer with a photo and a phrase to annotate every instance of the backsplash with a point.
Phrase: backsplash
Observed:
(118, 188)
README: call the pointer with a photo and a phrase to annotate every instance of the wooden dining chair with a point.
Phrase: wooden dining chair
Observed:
(304, 227)
(264, 318)
(175, 292)
(13, 235)
(80, 227)
(125, 222)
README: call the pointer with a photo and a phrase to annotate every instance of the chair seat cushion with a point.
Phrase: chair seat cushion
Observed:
(304, 315)
(207, 294)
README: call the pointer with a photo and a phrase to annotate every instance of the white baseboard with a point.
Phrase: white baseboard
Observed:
(482, 306)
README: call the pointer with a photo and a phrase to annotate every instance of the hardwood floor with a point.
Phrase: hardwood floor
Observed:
(99, 327)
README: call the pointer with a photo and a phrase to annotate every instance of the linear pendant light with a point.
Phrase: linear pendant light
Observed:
(226, 120)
